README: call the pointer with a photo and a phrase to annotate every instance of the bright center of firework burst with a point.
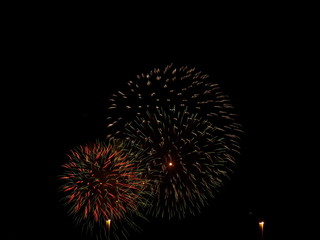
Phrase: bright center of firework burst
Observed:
(168, 161)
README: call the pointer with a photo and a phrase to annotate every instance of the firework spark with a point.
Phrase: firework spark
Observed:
(103, 184)
(189, 127)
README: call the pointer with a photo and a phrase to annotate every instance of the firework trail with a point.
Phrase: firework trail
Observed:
(103, 187)
(189, 128)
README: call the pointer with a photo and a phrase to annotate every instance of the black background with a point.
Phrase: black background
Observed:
(66, 66)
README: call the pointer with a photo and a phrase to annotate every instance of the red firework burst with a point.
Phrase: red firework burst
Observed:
(103, 183)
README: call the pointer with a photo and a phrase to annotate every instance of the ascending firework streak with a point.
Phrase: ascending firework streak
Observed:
(189, 128)
(103, 184)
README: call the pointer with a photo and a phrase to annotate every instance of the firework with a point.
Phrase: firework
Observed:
(189, 160)
(189, 128)
(103, 187)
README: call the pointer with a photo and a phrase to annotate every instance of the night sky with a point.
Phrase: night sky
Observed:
(70, 71)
